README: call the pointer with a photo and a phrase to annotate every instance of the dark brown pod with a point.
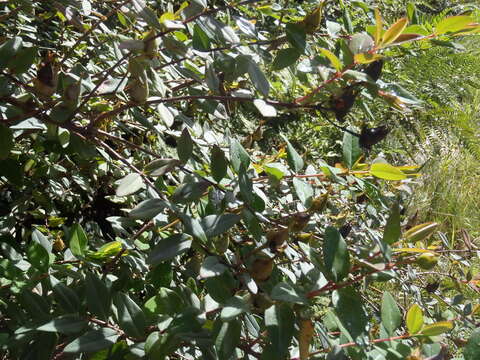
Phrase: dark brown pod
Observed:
(372, 136)
(374, 69)
(341, 105)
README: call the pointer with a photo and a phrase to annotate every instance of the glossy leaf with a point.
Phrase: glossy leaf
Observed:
(453, 24)
(350, 149)
(414, 320)
(129, 184)
(148, 209)
(392, 231)
(130, 316)
(64, 324)
(391, 315)
(98, 296)
(420, 232)
(218, 163)
(227, 338)
(168, 248)
(215, 225)
(280, 322)
(334, 60)
(284, 58)
(437, 328)
(6, 141)
(184, 146)
(92, 341)
(394, 32)
(78, 240)
(387, 172)
(294, 160)
(238, 156)
(335, 255)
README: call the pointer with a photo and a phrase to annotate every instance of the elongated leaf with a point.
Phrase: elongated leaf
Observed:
(394, 31)
(168, 248)
(284, 58)
(453, 24)
(193, 227)
(265, 109)
(185, 146)
(280, 322)
(294, 160)
(147, 14)
(351, 149)
(215, 225)
(304, 191)
(218, 163)
(334, 60)
(189, 192)
(130, 316)
(414, 319)
(392, 231)
(239, 157)
(212, 267)
(94, 340)
(237, 305)
(66, 297)
(8, 50)
(227, 338)
(98, 296)
(378, 26)
(148, 209)
(78, 240)
(387, 172)
(349, 309)
(286, 292)
(258, 78)
(129, 184)
(165, 302)
(420, 232)
(391, 315)
(335, 255)
(437, 328)
(66, 324)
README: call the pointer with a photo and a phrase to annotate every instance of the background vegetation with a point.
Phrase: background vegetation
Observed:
(227, 180)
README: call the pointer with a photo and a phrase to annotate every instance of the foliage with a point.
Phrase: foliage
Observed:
(153, 206)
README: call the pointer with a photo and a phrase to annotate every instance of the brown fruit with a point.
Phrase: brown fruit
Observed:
(276, 239)
(298, 221)
(261, 268)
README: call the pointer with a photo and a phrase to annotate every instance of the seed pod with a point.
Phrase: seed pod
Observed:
(311, 21)
(276, 239)
(261, 268)
(374, 69)
(58, 244)
(138, 89)
(47, 77)
(372, 136)
(341, 105)
(298, 221)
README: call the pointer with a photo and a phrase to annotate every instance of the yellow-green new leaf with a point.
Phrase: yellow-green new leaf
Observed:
(453, 24)
(386, 172)
(414, 319)
(437, 328)
(334, 60)
(394, 32)
(366, 58)
(420, 232)
(378, 26)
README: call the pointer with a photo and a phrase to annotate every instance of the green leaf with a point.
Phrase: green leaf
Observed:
(234, 307)
(351, 149)
(66, 324)
(12, 170)
(296, 36)
(66, 297)
(392, 231)
(414, 320)
(304, 191)
(38, 256)
(8, 50)
(94, 340)
(437, 328)
(471, 351)
(258, 78)
(280, 323)
(218, 163)
(78, 241)
(239, 157)
(393, 32)
(148, 209)
(161, 167)
(41, 239)
(193, 227)
(190, 192)
(285, 58)
(286, 292)
(227, 338)
(275, 170)
(129, 315)
(391, 315)
(334, 60)
(23, 60)
(350, 311)
(146, 14)
(212, 267)
(221, 288)
(97, 296)
(184, 146)
(129, 184)
(166, 302)
(335, 255)
(6, 141)
(266, 110)
(215, 225)
(387, 172)
(453, 24)
(200, 40)
(168, 248)
(294, 160)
